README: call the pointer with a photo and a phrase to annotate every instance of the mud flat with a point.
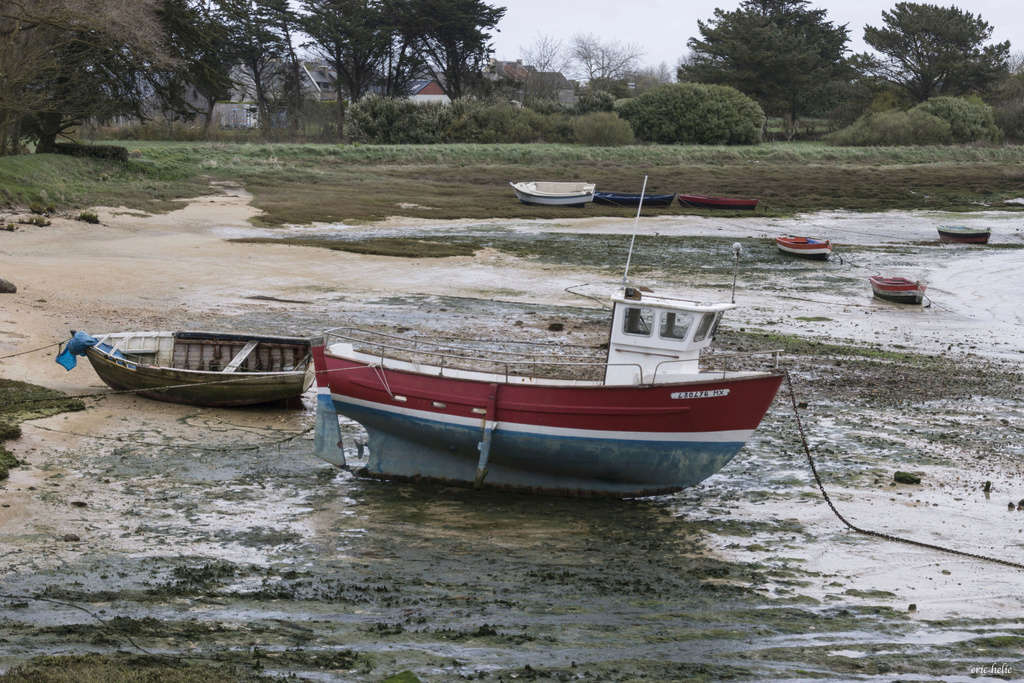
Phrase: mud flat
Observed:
(213, 538)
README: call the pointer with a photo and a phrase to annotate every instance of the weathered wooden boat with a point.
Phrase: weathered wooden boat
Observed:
(807, 247)
(554, 193)
(646, 419)
(963, 234)
(204, 368)
(628, 199)
(897, 289)
(704, 202)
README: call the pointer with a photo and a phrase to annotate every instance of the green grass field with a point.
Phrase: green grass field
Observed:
(301, 183)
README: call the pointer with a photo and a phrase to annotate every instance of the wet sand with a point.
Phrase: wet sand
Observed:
(216, 535)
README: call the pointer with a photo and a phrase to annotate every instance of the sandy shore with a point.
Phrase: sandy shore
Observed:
(145, 472)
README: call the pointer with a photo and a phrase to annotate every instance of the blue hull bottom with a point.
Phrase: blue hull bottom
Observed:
(408, 447)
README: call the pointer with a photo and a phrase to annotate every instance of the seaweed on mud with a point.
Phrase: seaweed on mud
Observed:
(20, 401)
(103, 668)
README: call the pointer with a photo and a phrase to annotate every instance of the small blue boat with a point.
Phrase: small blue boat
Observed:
(625, 199)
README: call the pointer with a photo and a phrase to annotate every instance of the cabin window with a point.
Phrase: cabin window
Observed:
(707, 324)
(638, 321)
(675, 325)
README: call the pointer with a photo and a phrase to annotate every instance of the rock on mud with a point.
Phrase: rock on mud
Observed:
(7, 287)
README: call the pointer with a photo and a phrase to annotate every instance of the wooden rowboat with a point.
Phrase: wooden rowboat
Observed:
(705, 202)
(554, 194)
(963, 234)
(807, 247)
(897, 289)
(204, 368)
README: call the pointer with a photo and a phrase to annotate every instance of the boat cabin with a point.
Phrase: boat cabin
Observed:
(655, 337)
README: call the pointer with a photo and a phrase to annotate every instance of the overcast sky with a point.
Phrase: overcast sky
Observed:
(662, 27)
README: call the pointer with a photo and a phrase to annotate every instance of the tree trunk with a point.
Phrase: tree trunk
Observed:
(210, 104)
(49, 128)
(341, 115)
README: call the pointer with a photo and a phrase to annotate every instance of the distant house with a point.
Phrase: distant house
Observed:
(319, 81)
(530, 83)
(427, 90)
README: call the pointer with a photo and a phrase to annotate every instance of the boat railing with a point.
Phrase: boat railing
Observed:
(726, 357)
(542, 360)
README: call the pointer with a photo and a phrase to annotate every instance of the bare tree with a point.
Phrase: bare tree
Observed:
(603, 60)
(546, 53)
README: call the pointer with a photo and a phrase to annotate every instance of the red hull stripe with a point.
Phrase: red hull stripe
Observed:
(713, 405)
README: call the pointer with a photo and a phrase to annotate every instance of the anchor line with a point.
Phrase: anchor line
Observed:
(870, 532)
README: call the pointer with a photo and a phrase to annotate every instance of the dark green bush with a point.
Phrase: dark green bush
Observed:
(595, 100)
(476, 121)
(969, 120)
(914, 127)
(695, 113)
(113, 152)
(386, 120)
(603, 128)
(1009, 117)
(88, 217)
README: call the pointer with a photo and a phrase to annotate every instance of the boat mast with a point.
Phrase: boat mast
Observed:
(636, 221)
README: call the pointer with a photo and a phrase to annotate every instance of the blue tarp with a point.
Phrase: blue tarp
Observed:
(76, 346)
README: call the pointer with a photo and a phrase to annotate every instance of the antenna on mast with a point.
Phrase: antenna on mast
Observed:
(737, 249)
(636, 221)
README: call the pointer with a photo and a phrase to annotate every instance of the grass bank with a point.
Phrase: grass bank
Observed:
(302, 183)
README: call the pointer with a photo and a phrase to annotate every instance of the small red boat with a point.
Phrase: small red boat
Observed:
(898, 289)
(963, 234)
(705, 202)
(807, 247)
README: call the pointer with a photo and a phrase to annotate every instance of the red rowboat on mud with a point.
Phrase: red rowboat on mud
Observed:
(705, 202)
(646, 420)
(807, 247)
(897, 289)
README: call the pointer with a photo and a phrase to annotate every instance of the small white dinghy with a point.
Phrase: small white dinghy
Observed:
(555, 194)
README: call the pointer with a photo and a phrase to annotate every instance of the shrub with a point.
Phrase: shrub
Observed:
(914, 127)
(602, 128)
(113, 152)
(475, 121)
(386, 120)
(88, 217)
(1010, 119)
(695, 113)
(595, 100)
(34, 220)
(969, 120)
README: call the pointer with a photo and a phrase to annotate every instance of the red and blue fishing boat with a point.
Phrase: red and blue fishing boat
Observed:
(897, 289)
(643, 418)
(704, 202)
(963, 234)
(806, 247)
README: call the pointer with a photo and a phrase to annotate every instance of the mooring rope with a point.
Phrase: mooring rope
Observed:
(869, 532)
(23, 353)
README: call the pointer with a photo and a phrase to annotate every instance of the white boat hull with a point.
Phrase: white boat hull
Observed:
(554, 194)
